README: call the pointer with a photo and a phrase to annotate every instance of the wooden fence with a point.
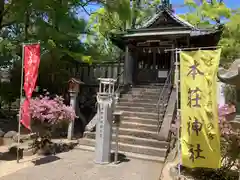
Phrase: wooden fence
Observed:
(89, 74)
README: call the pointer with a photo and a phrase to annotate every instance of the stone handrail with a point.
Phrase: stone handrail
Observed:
(163, 98)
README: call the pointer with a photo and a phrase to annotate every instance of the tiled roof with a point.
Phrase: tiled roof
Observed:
(150, 21)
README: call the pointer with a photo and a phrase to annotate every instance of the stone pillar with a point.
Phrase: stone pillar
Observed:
(128, 67)
(73, 90)
(105, 99)
(73, 98)
(135, 67)
(104, 132)
(220, 94)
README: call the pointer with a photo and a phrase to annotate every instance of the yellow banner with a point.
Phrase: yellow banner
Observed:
(200, 139)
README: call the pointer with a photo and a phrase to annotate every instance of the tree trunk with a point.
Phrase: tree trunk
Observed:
(26, 25)
(135, 9)
(1, 11)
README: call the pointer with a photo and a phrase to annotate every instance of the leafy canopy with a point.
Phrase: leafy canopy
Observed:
(211, 13)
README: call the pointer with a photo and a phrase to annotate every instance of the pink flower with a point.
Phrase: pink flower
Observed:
(51, 110)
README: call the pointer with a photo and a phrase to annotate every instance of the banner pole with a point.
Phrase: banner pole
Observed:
(177, 107)
(19, 114)
(194, 48)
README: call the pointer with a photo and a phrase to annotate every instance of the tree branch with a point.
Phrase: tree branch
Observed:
(89, 14)
(1, 10)
(7, 24)
(4, 11)
(86, 3)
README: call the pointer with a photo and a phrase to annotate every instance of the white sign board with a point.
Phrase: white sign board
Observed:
(162, 74)
(220, 94)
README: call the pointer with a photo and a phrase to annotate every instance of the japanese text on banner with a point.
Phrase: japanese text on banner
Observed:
(200, 140)
(31, 64)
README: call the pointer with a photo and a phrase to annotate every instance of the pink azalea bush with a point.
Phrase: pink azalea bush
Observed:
(49, 118)
(52, 111)
(230, 139)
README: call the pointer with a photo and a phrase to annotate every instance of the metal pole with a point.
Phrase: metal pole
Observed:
(193, 48)
(21, 94)
(117, 120)
(116, 149)
(31, 43)
(178, 115)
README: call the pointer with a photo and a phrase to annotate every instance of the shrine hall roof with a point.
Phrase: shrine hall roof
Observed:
(178, 19)
(164, 23)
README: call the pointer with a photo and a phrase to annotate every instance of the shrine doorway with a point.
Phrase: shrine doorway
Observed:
(152, 66)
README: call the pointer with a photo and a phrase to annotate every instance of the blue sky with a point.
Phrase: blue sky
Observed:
(229, 3)
(177, 6)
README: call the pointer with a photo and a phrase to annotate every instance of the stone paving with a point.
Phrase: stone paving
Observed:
(79, 165)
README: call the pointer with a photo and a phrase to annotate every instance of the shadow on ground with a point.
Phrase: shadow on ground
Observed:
(46, 160)
(11, 154)
(121, 158)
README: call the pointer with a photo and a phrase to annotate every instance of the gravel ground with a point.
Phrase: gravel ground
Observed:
(79, 165)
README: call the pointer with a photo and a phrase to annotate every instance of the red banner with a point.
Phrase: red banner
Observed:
(31, 64)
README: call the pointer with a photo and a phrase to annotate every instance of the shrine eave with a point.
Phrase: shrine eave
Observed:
(169, 31)
(163, 33)
(120, 39)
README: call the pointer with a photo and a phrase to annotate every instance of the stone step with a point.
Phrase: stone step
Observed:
(139, 100)
(143, 96)
(136, 109)
(138, 91)
(145, 90)
(139, 120)
(150, 86)
(150, 115)
(124, 147)
(139, 104)
(136, 94)
(133, 140)
(134, 104)
(127, 154)
(138, 133)
(140, 126)
(142, 141)
(134, 132)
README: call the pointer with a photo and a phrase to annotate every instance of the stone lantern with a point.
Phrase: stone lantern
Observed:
(232, 76)
(73, 89)
(74, 85)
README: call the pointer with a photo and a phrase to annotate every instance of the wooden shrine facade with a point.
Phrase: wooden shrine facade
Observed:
(146, 58)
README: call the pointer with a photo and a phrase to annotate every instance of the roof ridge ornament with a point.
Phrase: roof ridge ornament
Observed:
(166, 5)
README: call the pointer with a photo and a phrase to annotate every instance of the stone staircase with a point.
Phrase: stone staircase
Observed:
(139, 125)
